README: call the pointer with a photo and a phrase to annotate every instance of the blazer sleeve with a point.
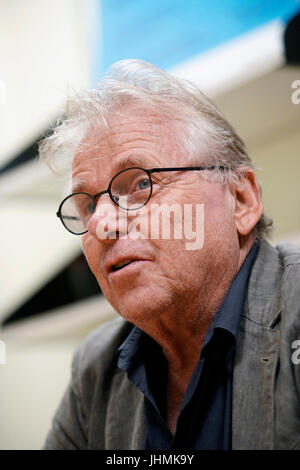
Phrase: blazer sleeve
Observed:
(69, 429)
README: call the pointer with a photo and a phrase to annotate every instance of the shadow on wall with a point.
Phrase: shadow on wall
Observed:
(76, 282)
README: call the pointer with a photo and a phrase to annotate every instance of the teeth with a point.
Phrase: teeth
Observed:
(122, 263)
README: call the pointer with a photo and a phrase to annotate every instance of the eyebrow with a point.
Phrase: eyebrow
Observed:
(79, 188)
(130, 161)
(122, 164)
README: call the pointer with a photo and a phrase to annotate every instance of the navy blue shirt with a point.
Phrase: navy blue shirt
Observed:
(204, 420)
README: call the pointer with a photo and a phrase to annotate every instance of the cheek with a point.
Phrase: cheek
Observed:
(219, 210)
(91, 252)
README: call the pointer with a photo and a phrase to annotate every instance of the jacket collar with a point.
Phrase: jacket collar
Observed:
(256, 355)
(263, 299)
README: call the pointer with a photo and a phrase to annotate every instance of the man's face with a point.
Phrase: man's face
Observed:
(166, 278)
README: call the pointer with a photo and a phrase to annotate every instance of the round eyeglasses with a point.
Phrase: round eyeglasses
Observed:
(130, 189)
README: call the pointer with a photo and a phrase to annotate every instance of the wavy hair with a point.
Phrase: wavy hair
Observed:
(203, 128)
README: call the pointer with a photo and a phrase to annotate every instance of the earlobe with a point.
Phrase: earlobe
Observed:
(248, 205)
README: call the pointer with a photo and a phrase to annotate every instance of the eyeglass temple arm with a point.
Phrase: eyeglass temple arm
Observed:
(185, 168)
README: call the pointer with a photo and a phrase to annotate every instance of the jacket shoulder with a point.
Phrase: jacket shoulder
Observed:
(289, 254)
(97, 353)
(290, 289)
(275, 274)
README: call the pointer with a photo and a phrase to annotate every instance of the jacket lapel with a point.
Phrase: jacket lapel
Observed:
(125, 421)
(256, 355)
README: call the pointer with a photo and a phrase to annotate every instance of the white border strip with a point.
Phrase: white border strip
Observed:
(236, 62)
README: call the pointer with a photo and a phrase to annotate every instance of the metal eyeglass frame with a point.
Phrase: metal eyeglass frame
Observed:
(95, 197)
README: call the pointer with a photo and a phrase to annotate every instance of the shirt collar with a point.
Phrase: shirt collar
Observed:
(230, 311)
(130, 350)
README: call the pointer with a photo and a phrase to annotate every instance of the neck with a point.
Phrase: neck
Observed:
(181, 331)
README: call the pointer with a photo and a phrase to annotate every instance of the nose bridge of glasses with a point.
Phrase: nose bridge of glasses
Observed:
(101, 199)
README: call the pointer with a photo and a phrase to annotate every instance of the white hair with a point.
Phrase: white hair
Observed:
(204, 131)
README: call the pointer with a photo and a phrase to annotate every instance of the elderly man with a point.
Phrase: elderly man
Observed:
(201, 355)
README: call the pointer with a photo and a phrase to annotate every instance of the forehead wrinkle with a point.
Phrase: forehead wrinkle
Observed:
(138, 133)
(134, 126)
(98, 147)
(140, 124)
(130, 161)
(128, 135)
(80, 183)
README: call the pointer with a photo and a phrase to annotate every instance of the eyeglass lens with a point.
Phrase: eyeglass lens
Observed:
(129, 189)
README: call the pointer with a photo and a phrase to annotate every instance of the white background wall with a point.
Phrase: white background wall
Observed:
(44, 50)
(45, 53)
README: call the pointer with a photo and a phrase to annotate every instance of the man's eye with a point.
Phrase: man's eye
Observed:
(144, 184)
(91, 207)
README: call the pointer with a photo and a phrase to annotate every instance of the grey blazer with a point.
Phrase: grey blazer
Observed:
(102, 409)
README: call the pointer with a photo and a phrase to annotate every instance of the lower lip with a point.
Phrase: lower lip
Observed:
(126, 269)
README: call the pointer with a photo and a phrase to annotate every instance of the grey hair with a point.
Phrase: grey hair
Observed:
(138, 83)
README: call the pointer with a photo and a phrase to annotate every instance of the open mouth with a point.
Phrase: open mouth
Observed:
(122, 264)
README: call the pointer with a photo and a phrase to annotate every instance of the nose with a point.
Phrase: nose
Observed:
(108, 222)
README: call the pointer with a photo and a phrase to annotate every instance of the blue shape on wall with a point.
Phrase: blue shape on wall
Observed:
(167, 32)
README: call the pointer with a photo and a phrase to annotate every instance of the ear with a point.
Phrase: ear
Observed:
(248, 207)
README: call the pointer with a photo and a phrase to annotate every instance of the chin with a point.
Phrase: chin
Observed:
(140, 309)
